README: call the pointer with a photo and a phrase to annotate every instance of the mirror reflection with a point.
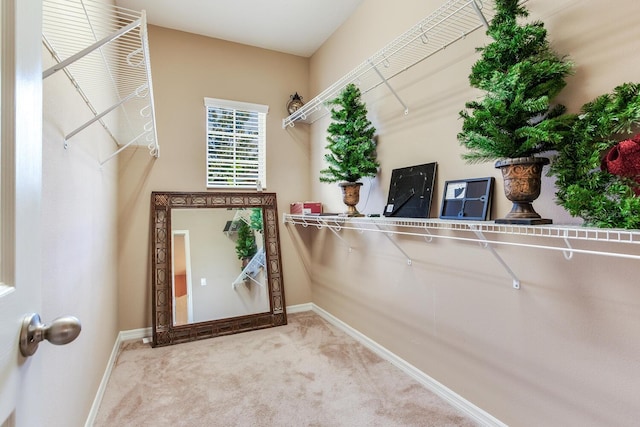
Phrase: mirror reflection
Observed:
(219, 265)
(215, 262)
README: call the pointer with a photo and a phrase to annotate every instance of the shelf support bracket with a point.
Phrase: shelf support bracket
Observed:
(104, 113)
(386, 82)
(479, 13)
(235, 284)
(335, 230)
(119, 150)
(386, 232)
(485, 244)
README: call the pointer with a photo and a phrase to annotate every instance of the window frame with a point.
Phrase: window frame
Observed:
(260, 141)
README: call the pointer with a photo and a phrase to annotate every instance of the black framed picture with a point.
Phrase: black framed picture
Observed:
(467, 199)
(411, 191)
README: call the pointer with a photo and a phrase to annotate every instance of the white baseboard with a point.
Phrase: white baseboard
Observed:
(134, 334)
(122, 336)
(299, 308)
(454, 399)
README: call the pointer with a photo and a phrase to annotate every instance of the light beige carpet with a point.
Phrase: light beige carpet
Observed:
(307, 373)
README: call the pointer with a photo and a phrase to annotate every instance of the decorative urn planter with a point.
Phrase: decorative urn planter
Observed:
(351, 197)
(522, 182)
(245, 261)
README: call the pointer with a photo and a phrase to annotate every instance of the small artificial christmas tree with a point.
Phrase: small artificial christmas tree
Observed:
(521, 75)
(352, 148)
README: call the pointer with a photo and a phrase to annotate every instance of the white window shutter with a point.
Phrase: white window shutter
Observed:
(236, 144)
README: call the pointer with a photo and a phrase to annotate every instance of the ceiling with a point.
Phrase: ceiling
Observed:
(297, 27)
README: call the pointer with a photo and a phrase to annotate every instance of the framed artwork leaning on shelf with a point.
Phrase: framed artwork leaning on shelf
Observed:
(468, 199)
(411, 191)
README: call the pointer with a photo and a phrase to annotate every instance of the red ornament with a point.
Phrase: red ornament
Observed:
(623, 159)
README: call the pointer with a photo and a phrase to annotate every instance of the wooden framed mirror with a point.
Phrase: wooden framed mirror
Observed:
(201, 288)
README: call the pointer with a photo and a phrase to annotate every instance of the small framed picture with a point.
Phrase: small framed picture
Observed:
(468, 199)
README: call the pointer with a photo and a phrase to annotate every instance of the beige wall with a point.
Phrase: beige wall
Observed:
(79, 232)
(187, 68)
(560, 351)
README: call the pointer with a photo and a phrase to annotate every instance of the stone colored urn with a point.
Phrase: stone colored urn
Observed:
(351, 197)
(522, 182)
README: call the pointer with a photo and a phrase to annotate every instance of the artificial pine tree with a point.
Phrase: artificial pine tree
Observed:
(520, 75)
(352, 148)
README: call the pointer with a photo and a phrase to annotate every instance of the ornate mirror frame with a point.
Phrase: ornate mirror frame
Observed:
(162, 204)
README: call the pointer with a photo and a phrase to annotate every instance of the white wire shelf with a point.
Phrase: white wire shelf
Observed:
(257, 264)
(571, 232)
(614, 242)
(454, 20)
(103, 49)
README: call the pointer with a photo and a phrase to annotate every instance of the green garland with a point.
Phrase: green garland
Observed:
(600, 198)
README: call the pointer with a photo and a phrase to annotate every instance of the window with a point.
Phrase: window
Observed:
(236, 135)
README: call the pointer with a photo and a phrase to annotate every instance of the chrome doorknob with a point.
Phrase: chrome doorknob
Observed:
(61, 331)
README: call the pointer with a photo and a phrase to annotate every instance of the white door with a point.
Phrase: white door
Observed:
(20, 194)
